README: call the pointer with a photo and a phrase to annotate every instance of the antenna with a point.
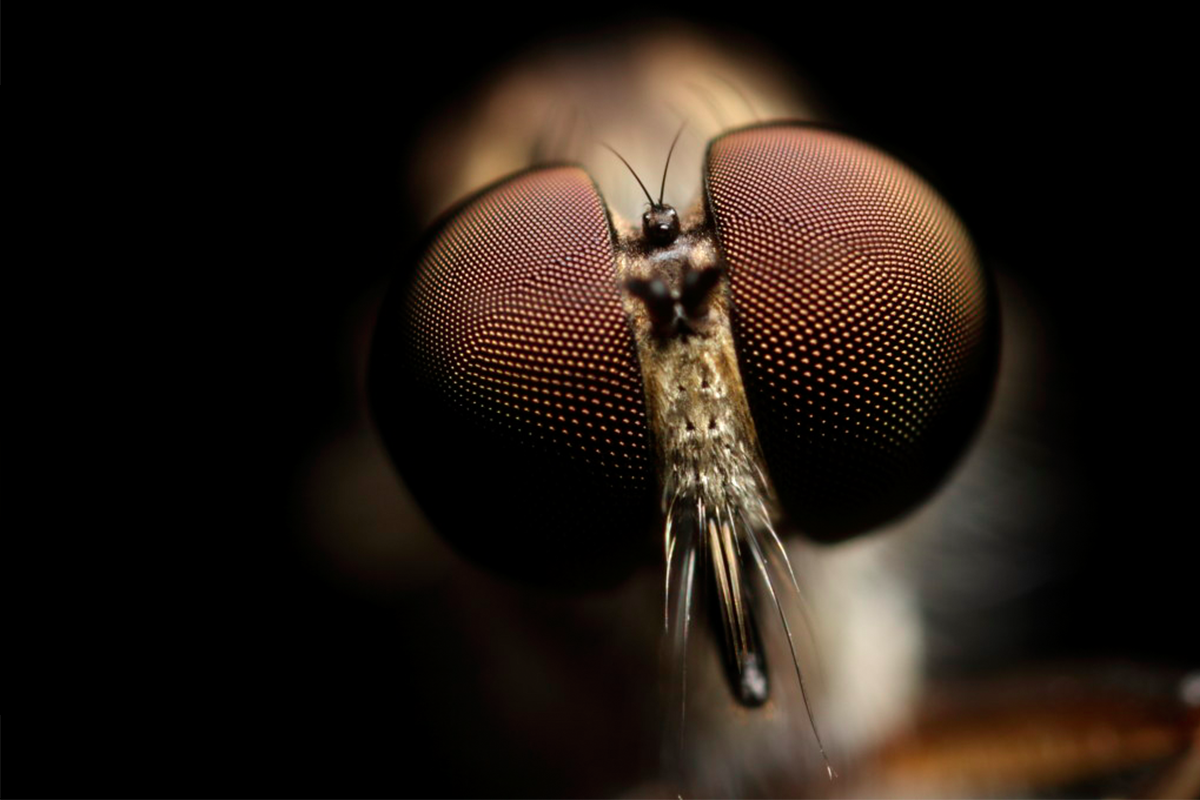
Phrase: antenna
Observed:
(663, 187)
(635, 175)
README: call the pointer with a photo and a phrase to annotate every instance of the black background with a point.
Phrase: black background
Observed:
(183, 646)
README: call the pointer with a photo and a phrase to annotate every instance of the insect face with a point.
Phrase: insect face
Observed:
(811, 341)
(858, 314)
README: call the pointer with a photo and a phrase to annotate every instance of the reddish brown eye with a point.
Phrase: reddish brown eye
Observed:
(506, 385)
(865, 333)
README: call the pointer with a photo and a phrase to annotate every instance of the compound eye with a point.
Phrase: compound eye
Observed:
(505, 383)
(864, 324)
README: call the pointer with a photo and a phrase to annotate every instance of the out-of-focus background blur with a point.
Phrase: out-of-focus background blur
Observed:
(219, 637)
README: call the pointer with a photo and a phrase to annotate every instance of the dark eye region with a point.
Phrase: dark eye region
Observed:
(865, 335)
(506, 385)
(506, 382)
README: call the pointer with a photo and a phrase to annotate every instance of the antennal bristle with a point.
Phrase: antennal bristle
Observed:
(663, 187)
(756, 549)
(635, 175)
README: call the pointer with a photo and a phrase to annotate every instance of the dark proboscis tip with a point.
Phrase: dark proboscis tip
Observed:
(753, 688)
(744, 659)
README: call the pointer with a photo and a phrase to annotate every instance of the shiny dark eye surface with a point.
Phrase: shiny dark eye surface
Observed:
(863, 323)
(505, 381)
